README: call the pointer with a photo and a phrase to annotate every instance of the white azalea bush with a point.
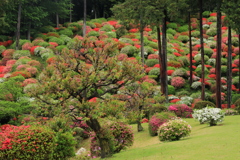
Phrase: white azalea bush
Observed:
(209, 115)
(174, 130)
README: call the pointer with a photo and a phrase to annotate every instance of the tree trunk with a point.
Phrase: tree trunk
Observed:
(84, 18)
(229, 70)
(139, 126)
(160, 55)
(70, 13)
(218, 59)
(190, 48)
(142, 44)
(57, 20)
(164, 57)
(202, 52)
(18, 25)
(103, 140)
(29, 32)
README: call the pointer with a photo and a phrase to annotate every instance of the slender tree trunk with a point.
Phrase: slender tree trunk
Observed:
(18, 25)
(218, 59)
(142, 45)
(190, 47)
(164, 56)
(29, 31)
(70, 13)
(202, 52)
(57, 20)
(160, 55)
(229, 66)
(84, 18)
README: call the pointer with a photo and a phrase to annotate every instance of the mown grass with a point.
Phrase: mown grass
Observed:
(204, 143)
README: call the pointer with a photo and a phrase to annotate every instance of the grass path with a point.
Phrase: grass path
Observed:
(221, 142)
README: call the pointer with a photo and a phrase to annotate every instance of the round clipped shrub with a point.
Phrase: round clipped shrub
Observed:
(119, 134)
(154, 71)
(151, 62)
(171, 31)
(183, 28)
(235, 97)
(126, 40)
(174, 130)
(181, 72)
(107, 28)
(203, 104)
(181, 110)
(157, 120)
(20, 53)
(57, 40)
(211, 32)
(172, 25)
(66, 32)
(178, 82)
(195, 34)
(19, 142)
(93, 33)
(171, 90)
(183, 38)
(129, 50)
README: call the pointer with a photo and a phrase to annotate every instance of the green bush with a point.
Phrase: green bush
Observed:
(174, 130)
(154, 45)
(151, 62)
(131, 51)
(57, 40)
(93, 33)
(155, 71)
(224, 61)
(183, 28)
(21, 53)
(180, 72)
(172, 25)
(121, 31)
(198, 70)
(148, 50)
(235, 97)
(111, 34)
(156, 108)
(195, 34)
(2, 48)
(212, 19)
(183, 38)
(203, 104)
(65, 38)
(126, 40)
(171, 90)
(107, 28)
(44, 44)
(235, 42)
(66, 32)
(46, 29)
(171, 31)
(211, 32)
(157, 120)
(27, 142)
(206, 14)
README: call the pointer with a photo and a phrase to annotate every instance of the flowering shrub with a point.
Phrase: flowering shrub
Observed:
(230, 112)
(19, 142)
(174, 130)
(157, 120)
(181, 110)
(119, 134)
(177, 82)
(209, 114)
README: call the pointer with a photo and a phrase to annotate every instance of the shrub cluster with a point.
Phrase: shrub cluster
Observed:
(181, 110)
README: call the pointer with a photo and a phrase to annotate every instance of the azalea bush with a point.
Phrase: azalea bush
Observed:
(174, 130)
(181, 110)
(157, 120)
(209, 115)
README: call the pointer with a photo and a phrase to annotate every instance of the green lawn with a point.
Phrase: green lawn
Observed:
(204, 143)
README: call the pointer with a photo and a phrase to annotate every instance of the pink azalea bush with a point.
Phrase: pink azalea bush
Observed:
(181, 110)
(177, 82)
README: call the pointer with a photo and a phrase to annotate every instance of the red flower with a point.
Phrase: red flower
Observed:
(169, 72)
(94, 99)
(134, 30)
(157, 65)
(175, 100)
(177, 54)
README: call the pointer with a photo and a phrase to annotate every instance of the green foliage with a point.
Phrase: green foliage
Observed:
(211, 32)
(172, 25)
(183, 28)
(46, 29)
(195, 34)
(93, 33)
(154, 71)
(151, 62)
(198, 70)
(66, 32)
(235, 97)
(126, 40)
(111, 34)
(183, 38)
(131, 51)
(171, 90)
(207, 51)
(21, 53)
(34, 142)
(57, 40)
(203, 104)
(171, 31)
(44, 44)
(206, 14)
(2, 48)
(148, 50)
(121, 31)
(157, 120)
(107, 28)
(174, 130)
(180, 72)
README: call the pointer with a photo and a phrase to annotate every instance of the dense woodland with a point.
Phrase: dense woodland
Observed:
(90, 68)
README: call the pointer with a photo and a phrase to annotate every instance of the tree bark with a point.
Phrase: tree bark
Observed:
(29, 31)
(190, 47)
(18, 25)
(57, 20)
(164, 57)
(160, 55)
(218, 59)
(202, 52)
(84, 18)
(229, 70)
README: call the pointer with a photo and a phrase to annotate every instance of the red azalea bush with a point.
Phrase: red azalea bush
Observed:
(177, 82)
(181, 110)
(19, 142)
(157, 120)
